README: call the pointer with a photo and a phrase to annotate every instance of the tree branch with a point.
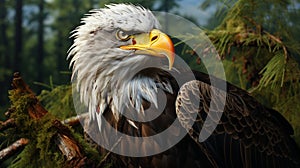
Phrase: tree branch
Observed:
(7, 124)
(5, 153)
(35, 109)
(279, 41)
(72, 121)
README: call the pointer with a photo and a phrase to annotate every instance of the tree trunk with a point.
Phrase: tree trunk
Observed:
(3, 40)
(40, 55)
(60, 50)
(5, 58)
(18, 36)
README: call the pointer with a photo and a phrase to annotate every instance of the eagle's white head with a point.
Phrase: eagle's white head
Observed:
(110, 49)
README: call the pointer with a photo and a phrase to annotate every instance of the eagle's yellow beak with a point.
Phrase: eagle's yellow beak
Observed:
(154, 43)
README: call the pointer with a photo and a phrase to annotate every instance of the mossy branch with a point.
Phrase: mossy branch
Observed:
(7, 124)
(35, 109)
(40, 129)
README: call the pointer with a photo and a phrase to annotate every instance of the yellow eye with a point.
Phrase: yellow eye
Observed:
(121, 35)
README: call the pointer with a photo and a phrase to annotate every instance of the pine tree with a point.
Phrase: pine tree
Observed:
(259, 41)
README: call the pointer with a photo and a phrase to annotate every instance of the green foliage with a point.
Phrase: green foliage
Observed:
(273, 73)
(259, 43)
(58, 101)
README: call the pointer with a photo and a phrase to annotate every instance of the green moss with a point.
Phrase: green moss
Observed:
(89, 151)
(41, 150)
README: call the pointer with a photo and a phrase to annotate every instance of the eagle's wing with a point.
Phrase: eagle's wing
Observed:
(247, 135)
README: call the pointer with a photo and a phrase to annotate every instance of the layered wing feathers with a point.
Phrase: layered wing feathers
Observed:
(248, 134)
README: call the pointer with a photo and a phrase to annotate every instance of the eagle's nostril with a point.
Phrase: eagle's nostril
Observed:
(154, 38)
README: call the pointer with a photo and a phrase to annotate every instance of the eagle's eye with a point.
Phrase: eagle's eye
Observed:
(122, 35)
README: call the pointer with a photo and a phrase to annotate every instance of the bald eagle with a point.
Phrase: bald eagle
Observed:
(118, 61)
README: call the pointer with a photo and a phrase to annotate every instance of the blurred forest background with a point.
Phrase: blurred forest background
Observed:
(258, 41)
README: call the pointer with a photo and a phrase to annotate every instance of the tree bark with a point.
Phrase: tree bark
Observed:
(59, 50)
(4, 40)
(5, 60)
(18, 35)
(40, 46)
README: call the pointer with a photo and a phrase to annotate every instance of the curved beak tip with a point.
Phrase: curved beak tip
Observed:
(162, 46)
